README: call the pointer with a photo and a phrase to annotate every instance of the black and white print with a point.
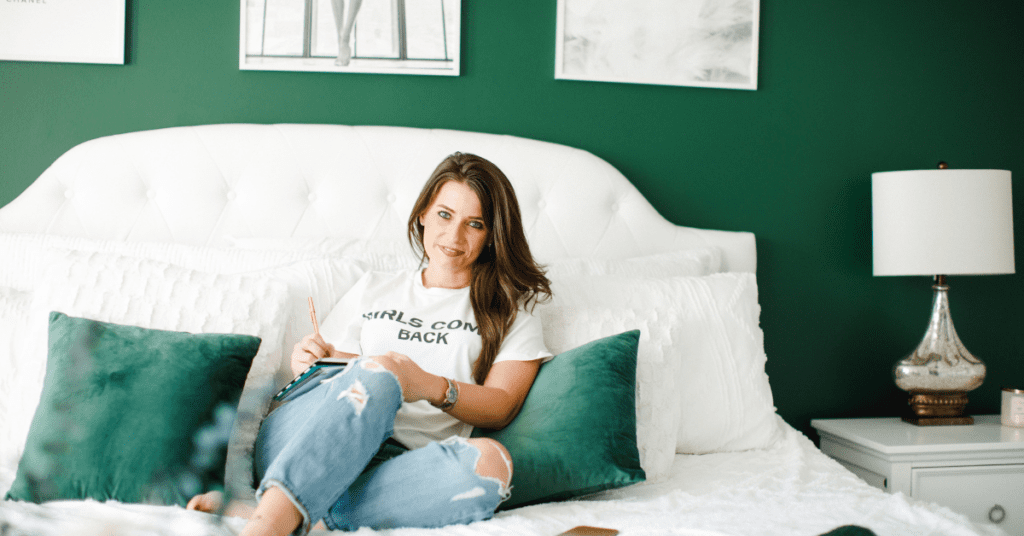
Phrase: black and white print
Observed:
(358, 36)
(708, 43)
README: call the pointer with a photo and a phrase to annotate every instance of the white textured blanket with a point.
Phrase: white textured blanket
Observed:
(792, 489)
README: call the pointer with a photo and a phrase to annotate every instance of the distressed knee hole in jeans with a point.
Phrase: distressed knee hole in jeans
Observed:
(371, 365)
(504, 484)
(357, 395)
(357, 392)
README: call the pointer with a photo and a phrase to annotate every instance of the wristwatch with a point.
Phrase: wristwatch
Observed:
(451, 396)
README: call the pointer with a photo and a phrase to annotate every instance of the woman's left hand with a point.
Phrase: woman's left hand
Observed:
(417, 384)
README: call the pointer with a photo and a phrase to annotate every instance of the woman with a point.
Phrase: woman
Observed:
(443, 349)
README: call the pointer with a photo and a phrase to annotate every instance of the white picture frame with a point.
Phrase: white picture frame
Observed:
(701, 43)
(65, 31)
(384, 36)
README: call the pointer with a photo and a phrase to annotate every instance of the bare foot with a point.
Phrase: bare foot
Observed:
(344, 55)
(209, 502)
(212, 502)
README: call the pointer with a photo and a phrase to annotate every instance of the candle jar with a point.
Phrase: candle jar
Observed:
(1013, 407)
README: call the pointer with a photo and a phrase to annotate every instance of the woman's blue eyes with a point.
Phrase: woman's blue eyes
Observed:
(474, 224)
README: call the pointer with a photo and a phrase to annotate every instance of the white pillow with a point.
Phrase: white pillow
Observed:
(567, 327)
(689, 262)
(721, 389)
(154, 294)
(375, 257)
(307, 273)
(323, 245)
(27, 255)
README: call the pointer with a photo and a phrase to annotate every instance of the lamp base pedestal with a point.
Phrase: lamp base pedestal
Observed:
(938, 409)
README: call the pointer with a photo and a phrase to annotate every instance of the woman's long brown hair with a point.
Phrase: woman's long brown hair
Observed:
(505, 275)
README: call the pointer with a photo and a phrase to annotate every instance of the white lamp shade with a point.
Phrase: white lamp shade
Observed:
(942, 222)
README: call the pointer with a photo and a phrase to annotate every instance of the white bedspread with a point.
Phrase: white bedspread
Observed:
(792, 489)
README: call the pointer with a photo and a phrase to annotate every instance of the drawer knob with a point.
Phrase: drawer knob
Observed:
(997, 514)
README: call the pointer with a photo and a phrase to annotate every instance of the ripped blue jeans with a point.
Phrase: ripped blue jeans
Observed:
(323, 449)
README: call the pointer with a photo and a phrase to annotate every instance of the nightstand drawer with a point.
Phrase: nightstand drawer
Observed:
(984, 493)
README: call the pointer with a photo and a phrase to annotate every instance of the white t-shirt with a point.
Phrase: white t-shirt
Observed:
(436, 328)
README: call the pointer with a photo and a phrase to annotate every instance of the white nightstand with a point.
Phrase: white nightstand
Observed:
(977, 469)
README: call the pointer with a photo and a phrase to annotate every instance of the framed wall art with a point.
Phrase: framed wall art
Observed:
(705, 43)
(357, 36)
(72, 31)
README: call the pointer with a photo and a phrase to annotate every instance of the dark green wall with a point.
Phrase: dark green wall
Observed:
(846, 89)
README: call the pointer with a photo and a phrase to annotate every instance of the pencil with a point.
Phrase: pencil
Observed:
(312, 316)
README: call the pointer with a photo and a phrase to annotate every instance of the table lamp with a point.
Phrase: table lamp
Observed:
(938, 223)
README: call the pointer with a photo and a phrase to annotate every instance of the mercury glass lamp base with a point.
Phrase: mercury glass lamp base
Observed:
(940, 371)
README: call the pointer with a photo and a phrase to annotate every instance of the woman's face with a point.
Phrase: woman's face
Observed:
(454, 232)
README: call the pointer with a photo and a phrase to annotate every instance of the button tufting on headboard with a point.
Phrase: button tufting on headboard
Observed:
(204, 185)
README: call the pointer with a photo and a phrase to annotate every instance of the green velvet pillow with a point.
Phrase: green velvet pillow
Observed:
(576, 433)
(120, 410)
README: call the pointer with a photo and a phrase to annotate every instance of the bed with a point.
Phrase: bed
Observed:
(226, 229)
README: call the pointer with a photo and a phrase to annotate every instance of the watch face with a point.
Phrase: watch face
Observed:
(449, 395)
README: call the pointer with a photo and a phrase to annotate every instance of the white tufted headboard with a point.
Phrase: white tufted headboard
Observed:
(206, 185)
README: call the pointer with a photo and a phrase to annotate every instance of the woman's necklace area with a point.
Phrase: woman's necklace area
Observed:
(453, 281)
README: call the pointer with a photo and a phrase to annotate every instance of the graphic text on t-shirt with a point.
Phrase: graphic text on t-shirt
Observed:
(441, 328)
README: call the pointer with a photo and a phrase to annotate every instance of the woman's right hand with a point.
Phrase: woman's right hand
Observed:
(307, 351)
